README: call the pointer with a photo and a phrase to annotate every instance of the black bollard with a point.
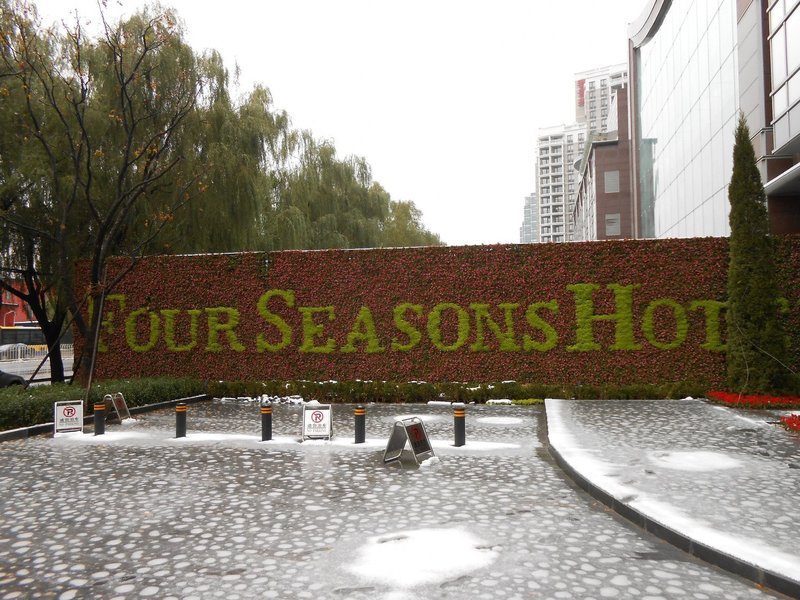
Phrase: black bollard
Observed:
(99, 418)
(180, 420)
(459, 423)
(266, 421)
(361, 424)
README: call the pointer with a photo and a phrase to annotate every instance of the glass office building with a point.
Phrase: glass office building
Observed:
(685, 109)
(783, 175)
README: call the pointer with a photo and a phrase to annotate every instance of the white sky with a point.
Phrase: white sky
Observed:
(444, 98)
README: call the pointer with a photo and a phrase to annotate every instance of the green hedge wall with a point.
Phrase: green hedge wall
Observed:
(606, 313)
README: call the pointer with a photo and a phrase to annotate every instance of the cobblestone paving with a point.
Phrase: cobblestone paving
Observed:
(735, 472)
(139, 514)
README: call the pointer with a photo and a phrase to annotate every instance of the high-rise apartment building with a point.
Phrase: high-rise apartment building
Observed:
(557, 150)
(603, 209)
(593, 94)
(530, 221)
(561, 147)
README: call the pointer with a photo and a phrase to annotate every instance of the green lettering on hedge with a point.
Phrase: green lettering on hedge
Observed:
(363, 331)
(312, 329)
(169, 315)
(506, 338)
(215, 327)
(282, 326)
(435, 326)
(107, 322)
(130, 330)
(537, 322)
(713, 310)
(681, 323)
(585, 317)
(414, 334)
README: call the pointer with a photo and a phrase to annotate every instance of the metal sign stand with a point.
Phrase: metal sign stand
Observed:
(317, 422)
(410, 430)
(121, 407)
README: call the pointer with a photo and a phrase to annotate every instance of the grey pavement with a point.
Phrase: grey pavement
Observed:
(717, 481)
(220, 514)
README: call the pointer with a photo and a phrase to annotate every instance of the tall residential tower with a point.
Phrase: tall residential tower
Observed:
(560, 149)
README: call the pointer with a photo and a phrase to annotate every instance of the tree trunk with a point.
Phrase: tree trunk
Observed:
(52, 335)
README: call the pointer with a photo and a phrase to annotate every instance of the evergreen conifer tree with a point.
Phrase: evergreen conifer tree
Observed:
(756, 342)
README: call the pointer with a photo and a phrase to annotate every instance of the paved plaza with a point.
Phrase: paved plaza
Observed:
(219, 514)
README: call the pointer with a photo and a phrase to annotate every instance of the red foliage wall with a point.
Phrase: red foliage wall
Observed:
(592, 313)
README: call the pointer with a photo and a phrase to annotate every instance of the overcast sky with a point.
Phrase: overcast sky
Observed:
(444, 98)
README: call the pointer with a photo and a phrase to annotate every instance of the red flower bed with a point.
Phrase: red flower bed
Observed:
(791, 422)
(753, 400)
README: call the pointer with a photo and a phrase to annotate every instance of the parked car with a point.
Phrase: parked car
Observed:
(7, 379)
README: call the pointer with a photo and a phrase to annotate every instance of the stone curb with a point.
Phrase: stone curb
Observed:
(45, 428)
(728, 562)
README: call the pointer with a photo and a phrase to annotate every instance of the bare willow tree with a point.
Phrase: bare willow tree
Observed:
(93, 149)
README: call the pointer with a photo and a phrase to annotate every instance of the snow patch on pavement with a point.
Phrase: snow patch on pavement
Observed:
(694, 461)
(499, 420)
(278, 442)
(405, 559)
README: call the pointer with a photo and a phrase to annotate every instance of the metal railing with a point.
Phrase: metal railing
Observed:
(14, 352)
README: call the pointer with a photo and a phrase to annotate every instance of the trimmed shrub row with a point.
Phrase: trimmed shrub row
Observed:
(26, 407)
(358, 392)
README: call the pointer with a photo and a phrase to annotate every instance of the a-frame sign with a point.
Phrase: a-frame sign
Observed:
(410, 430)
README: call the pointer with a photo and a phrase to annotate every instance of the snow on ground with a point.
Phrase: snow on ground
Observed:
(406, 559)
(280, 442)
(499, 420)
(757, 422)
(604, 475)
(425, 418)
(694, 461)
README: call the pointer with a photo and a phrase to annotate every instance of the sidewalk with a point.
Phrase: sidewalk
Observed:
(137, 513)
(719, 483)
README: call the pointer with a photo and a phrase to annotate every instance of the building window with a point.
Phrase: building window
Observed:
(613, 225)
(611, 180)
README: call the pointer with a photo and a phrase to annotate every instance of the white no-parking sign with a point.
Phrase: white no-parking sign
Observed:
(69, 416)
(317, 422)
